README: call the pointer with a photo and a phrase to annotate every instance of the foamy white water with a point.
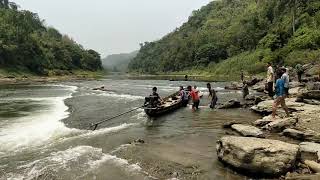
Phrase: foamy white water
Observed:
(37, 128)
(85, 158)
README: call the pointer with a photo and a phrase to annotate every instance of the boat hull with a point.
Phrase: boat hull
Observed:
(156, 112)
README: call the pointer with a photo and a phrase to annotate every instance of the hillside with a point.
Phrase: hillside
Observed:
(226, 36)
(118, 62)
(27, 45)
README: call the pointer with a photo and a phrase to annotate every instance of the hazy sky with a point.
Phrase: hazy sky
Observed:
(113, 26)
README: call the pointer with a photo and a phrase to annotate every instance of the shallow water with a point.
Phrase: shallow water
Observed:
(44, 133)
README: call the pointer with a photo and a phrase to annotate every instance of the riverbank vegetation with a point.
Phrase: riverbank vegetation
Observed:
(27, 45)
(228, 36)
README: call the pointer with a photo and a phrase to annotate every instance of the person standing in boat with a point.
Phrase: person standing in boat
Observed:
(195, 98)
(184, 96)
(213, 95)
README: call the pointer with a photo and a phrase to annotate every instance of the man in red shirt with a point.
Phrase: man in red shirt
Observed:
(195, 98)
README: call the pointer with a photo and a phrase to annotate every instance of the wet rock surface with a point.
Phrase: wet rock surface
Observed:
(247, 130)
(255, 155)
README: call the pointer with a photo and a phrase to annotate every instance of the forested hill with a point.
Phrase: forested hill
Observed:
(229, 35)
(118, 62)
(26, 44)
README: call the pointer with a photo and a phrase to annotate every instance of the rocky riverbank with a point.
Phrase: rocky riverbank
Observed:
(286, 148)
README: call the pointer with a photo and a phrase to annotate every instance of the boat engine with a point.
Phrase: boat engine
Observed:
(151, 102)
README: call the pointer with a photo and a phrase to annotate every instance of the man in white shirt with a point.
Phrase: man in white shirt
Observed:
(270, 77)
(286, 79)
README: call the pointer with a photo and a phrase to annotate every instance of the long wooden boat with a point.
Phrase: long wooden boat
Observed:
(171, 103)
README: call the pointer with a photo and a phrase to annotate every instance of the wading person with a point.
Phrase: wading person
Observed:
(270, 77)
(280, 98)
(184, 96)
(286, 79)
(213, 96)
(245, 89)
(195, 98)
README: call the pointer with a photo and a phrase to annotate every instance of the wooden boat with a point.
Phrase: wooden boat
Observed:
(171, 103)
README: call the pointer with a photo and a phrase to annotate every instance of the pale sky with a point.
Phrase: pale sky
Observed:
(113, 26)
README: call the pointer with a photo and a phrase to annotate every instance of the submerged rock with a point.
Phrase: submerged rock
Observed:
(247, 130)
(234, 86)
(233, 103)
(309, 151)
(258, 156)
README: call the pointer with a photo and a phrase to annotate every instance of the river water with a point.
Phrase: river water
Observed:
(44, 132)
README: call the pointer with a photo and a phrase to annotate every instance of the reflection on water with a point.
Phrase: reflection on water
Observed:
(44, 132)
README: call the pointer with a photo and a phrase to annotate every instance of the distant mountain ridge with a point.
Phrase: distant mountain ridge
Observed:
(118, 62)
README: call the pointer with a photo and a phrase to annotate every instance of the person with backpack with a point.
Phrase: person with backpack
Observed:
(280, 97)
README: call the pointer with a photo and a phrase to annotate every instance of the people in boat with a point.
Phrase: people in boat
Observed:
(184, 96)
(279, 97)
(195, 98)
(285, 77)
(213, 96)
(157, 100)
(270, 77)
(245, 89)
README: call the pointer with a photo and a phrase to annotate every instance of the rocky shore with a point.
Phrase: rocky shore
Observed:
(285, 148)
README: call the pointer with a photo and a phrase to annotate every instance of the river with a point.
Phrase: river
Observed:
(44, 132)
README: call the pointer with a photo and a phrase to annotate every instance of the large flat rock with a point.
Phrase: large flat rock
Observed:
(247, 130)
(309, 151)
(258, 156)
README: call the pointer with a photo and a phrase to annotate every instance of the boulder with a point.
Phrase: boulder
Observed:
(262, 122)
(313, 86)
(254, 81)
(311, 101)
(234, 86)
(229, 124)
(314, 166)
(259, 87)
(309, 151)
(250, 97)
(293, 176)
(233, 103)
(258, 156)
(247, 130)
(314, 94)
(265, 107)
(279, 125)
(295, 134)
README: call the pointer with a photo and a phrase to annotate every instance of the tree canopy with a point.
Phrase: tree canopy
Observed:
(27, 44)
(246, 33)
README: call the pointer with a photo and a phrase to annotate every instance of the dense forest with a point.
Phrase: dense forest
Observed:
(228, 36)
(118, 62)
(26, 44)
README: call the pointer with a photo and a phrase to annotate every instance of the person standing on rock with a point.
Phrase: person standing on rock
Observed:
(280, 97)
(245, 89)
(285, 78)
(270, 76)
(213, 96)
(300, 71)
(242, 76)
